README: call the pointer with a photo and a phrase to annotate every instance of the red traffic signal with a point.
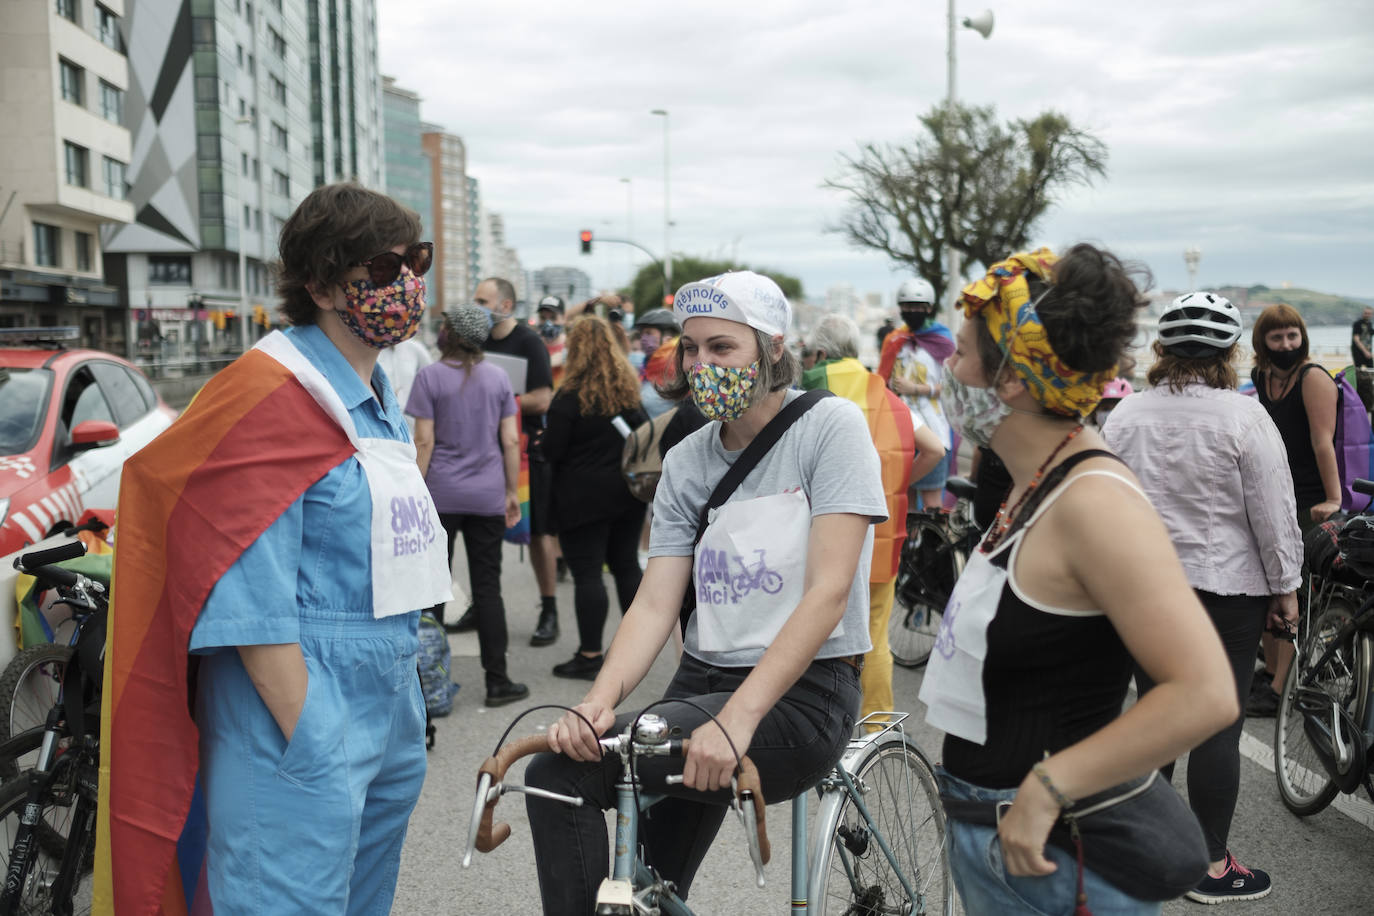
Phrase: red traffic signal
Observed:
(586, 241)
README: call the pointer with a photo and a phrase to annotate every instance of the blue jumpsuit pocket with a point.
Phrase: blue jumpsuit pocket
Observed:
(319, 730)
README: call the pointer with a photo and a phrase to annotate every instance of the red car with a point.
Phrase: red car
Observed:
(68, 420)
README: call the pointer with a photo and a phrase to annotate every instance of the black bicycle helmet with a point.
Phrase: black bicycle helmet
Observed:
(1356, 542)
(658, 318)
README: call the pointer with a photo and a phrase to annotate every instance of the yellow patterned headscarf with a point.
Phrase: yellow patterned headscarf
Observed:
(1003, 299)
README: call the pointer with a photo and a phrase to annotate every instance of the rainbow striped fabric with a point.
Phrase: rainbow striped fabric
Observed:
(190, 503)
(889, 423)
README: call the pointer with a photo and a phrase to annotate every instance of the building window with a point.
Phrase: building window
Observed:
(207, 91)
(78, 164)
(83, 251)
(47, 243)
(207, 147)
(114, 178)
(281, 184)
(277, 42)
(169, 269)
(278, 135)
(257, 220)
(107, 27)
(252, 68)
(67, 10)
(248, 12)
(257, 173)
(240, 55)
(73, 82)
(111, 103)
(244, 170)
(278, 89)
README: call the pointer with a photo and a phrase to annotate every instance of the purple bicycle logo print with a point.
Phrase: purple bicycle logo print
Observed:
(760, 577)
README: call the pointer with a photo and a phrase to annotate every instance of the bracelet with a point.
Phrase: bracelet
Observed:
(1060, 799)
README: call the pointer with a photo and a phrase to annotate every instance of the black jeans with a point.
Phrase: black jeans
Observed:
(1214, 765)
(482, 543)
(586, 548)
(795, 744)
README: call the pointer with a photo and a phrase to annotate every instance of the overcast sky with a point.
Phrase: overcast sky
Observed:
(1244, 129)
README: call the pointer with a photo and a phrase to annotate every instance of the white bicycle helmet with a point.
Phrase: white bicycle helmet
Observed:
(1199, 324)
(916, 290)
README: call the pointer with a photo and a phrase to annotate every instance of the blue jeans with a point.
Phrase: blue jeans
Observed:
(975, 856)
(936, 477)
(796, 743)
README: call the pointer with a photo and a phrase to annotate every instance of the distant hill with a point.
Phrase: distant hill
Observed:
(1316, 308)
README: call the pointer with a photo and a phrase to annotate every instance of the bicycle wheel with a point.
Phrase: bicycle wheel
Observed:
(850, 874)
(28, 690)
(57, 814)
(1304, 784)
(929, 568)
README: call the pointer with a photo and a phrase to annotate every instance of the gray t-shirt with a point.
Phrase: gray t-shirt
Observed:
(828, 453)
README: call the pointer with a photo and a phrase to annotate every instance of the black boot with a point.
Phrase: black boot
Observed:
(465, 624)
(546, 633)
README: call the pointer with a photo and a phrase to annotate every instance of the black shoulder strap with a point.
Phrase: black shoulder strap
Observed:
(746, 462)
(754, 452)
(1052, 480)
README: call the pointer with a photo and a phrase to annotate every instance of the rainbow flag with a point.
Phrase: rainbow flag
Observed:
(519, 533)
(889, 423)
(190, 503)
(935, 338)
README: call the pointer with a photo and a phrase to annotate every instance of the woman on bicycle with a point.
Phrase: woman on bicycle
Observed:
(780, 576)
(1223, 489)
(1303, 406)
(280, 532)
(1075, 577)
(599, 519)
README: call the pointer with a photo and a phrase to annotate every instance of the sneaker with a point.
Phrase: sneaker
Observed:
(1236, 883)
(506, 692)
(1262, 705)
(1262, 681)
(546, 631)
(580, 667)
(465, 624)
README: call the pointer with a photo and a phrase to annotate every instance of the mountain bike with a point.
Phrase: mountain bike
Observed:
(48, 813)
(879, 830)
(937, 545)
(1324, 731)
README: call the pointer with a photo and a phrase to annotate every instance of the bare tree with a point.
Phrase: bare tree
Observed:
(967, 179)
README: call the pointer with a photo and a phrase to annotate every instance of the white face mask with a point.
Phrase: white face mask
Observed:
(977, 412)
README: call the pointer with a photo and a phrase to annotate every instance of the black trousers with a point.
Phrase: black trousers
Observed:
(482, 543)
(1214, 765)
(586, 548)
(795, 744)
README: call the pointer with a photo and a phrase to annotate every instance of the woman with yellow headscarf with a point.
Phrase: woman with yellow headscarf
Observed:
(1075, 576)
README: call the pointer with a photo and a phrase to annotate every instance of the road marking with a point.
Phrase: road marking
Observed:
(1352, 806)
(29, 527)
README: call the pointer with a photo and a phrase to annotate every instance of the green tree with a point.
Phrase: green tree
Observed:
(646, 291)
(967, 180)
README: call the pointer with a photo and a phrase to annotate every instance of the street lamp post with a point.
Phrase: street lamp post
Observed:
(629, 229)
(982, 24)
(1191, 257)
(243, 260)
(667, 215)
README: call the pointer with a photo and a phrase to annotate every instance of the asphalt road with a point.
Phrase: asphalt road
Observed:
(1320, 865)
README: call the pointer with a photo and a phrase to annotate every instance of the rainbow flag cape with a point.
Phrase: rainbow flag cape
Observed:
(519, 533)
(190, 503)
(889, 423)
(935, 338)
(659, 366)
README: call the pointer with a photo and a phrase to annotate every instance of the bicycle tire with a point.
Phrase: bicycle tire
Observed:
(850, 874)
(929, 567)
(28, 690)
(1304, 785)
(36, 897)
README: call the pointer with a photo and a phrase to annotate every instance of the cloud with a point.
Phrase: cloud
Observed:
(1243, 129)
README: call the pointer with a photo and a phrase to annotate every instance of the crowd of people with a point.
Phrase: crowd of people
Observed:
(1148, 536)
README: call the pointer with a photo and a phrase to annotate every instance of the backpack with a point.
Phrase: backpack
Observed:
(1354, 443)
(436, 665)
(641, 459)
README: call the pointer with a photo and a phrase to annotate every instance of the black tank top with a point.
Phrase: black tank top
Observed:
(1049, 680)
(1289, 414)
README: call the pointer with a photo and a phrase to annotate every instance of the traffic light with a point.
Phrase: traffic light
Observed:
(586, 241)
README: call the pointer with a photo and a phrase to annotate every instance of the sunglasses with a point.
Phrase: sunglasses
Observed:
(382, 269)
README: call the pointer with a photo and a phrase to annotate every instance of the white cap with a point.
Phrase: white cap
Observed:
(741, 295)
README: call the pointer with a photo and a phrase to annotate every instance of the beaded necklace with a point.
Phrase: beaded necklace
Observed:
(1004, 518)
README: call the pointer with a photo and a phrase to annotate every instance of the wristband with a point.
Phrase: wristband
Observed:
(1060, 799)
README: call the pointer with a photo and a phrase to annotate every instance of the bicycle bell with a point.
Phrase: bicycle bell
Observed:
(651, 729)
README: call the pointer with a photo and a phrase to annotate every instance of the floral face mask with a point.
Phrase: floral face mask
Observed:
(722, 393)
(383, 316)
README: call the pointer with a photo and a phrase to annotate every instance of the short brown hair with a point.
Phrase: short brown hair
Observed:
(334, 228)
(773, 376)
(1216, 371)
(1279, 315)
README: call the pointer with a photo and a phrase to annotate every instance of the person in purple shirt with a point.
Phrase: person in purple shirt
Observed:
(467, 444)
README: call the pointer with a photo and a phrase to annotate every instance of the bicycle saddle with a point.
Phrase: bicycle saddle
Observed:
(961, 487)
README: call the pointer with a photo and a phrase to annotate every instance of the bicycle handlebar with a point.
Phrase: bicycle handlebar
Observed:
(55, 575)
(27, 562)
(484, 835)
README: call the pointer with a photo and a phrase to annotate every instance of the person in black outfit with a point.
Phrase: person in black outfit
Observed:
(1362, 340)
(515, 338)
(599, 520)
(886, 328)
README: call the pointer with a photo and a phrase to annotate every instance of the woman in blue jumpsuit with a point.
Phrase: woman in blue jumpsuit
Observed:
(309, 708)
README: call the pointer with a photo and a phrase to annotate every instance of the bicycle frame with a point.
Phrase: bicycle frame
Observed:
(1361, 622)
